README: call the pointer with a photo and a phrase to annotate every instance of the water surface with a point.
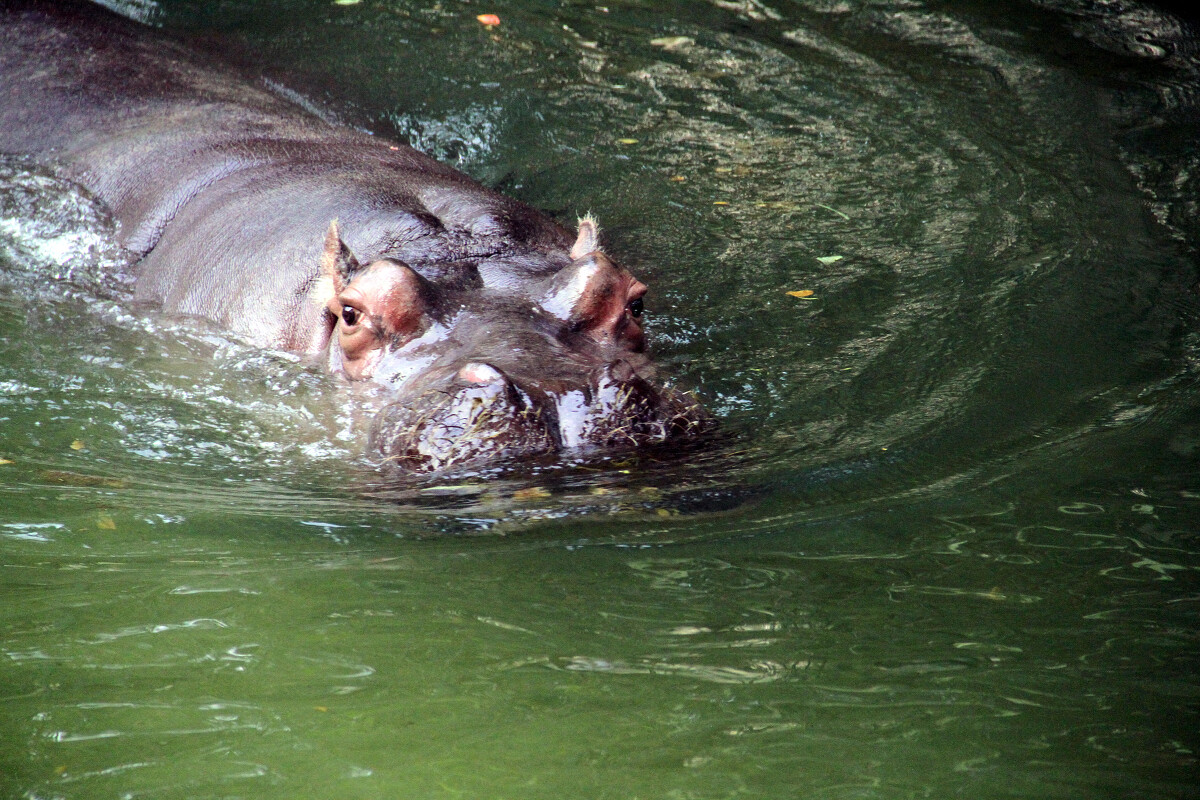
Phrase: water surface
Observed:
(946, 544)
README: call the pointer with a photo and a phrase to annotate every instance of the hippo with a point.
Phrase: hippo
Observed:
(495, 333)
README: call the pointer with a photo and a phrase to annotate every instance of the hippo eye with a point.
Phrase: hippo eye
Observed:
(350, 316)
(635, 307)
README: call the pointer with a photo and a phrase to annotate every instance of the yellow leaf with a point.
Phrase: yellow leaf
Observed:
(488, 20)
(804, 293)
(627, 141)
(533, 493)
(105, 523)
(78, 444)
(720, 203)
(6, 461)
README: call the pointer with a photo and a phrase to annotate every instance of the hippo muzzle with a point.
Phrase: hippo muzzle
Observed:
(484, 416)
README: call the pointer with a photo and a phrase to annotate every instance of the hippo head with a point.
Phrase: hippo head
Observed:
(477, 374)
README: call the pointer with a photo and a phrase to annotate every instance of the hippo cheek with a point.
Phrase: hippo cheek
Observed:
(481, 417)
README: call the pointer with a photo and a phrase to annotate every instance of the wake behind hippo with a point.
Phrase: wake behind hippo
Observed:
(498, 333)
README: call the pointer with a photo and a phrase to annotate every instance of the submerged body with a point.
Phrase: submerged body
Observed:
(499, 332)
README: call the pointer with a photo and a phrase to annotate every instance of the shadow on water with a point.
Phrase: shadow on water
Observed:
(943, 545)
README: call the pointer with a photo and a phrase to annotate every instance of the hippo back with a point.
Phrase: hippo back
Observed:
(216, 182)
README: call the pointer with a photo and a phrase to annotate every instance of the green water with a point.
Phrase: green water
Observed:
(946, 544)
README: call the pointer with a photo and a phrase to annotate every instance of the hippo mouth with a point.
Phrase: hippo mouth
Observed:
(485, 417)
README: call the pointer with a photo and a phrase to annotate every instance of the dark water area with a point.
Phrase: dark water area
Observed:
(946, 543)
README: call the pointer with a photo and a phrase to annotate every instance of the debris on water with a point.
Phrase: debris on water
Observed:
(488, 20)
(532, 493)
(346, 2)
(627, 141)
(828, 260)
(673, 42)
(78, 445)
(461, 488)
(76, 479)
(804, 294)
(831, 208)
(4, 461)
(105, 522)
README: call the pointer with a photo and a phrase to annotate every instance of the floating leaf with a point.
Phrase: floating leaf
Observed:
(678, 178)
(4, 461)
(458, 488)
(673, 42)
(802, 293)
(627, 141)
(76, 479)
(827, 260)
(720, 203)
(78, 445)
(105, 523)
(532, 493)
(346, 2)
(490, 20)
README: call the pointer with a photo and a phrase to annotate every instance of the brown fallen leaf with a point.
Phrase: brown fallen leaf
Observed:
(76, 479)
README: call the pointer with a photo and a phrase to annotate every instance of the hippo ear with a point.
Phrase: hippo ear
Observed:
(588, 240)
(596, 297)
(338, 264)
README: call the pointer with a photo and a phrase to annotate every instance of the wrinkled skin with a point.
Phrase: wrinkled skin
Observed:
(498, 333)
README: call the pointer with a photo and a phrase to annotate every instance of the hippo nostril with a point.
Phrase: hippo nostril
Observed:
(621, 371)
(480, 374)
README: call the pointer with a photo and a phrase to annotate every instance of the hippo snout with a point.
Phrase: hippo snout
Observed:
(483, 415)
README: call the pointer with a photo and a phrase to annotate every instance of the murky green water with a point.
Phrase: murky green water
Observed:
(946, 547)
